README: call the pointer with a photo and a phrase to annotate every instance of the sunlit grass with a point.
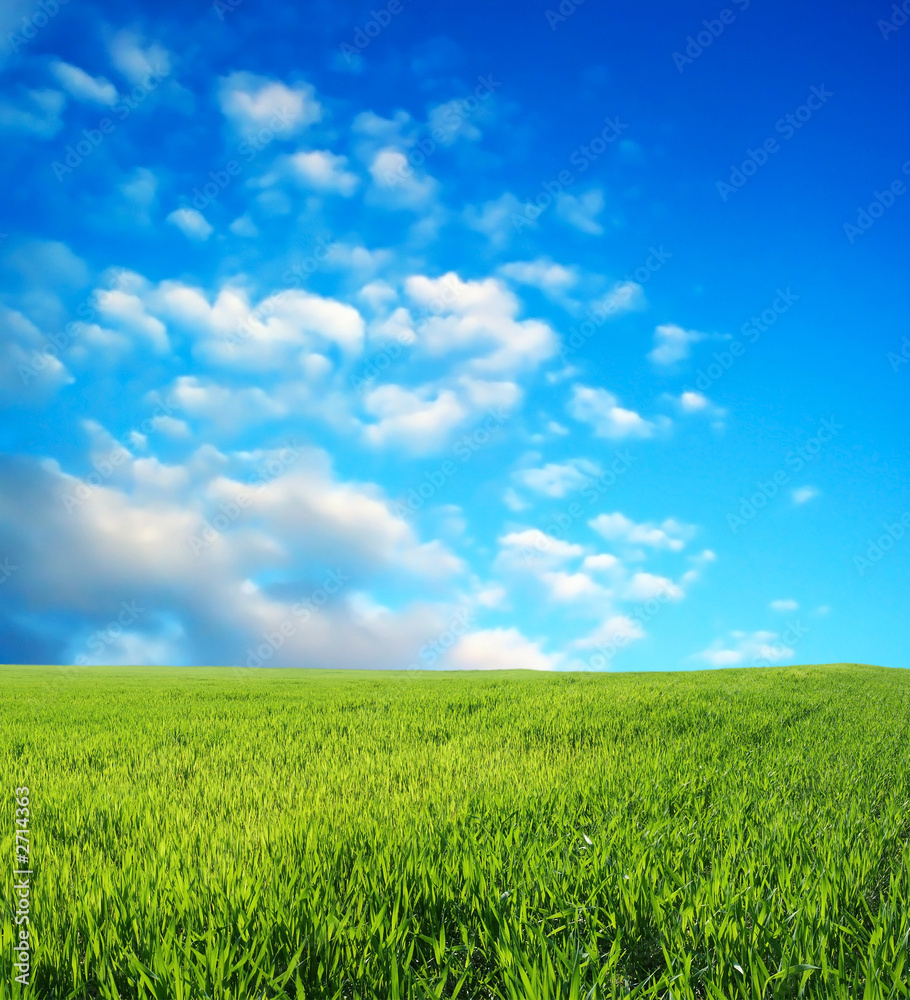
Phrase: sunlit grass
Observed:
(217, 833)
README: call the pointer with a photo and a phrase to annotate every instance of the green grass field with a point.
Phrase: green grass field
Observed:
(217, 833)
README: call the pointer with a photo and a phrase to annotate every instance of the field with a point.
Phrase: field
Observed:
(238, 834)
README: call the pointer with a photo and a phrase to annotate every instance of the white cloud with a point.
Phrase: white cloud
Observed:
(79, 84)
(477, 319)
(647, 586)
(803, 494)
(252, 103)
(624, 296)
(223, 405)
(140, 190)
(48, 263)
(552, 279)
(376, 132)
(422, 420)
(575, 588)
(324, 171)
(672, 343)
(603, 562)
(498, 649)
(555, 479)
(244, 226)
(191, 223)
(784, 606)
(114, 545)
(126, 311)
(671, 534)
(582, 211)
(449, 122)
(419, 420)
(137, 62)
(495, 218)
(531, 547)
(745, 649)
(602, 411)
(280, 330)
(171, 426)
(513, 501)
(397, 185)
(617, 630)
(692, 403)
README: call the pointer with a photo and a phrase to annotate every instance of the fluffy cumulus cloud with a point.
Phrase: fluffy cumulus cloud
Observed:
(254, 103)
(498, 649)
(741, 649)
(669, 534)
(137, 59)
(602, 411)
(322, 170)
(557, 479)
(672, 344)
(131, 531)
(582, 211)
(551, 278)
(191, 223)
(82, 86)
(477, 323)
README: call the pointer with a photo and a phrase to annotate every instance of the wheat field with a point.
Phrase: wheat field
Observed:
(236, 834)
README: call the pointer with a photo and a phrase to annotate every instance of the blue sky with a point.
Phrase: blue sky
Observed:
(467, 336)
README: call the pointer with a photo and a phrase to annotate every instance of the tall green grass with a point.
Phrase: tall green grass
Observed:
(219, 834)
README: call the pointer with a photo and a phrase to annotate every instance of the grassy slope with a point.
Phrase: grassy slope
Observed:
(211, 832)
